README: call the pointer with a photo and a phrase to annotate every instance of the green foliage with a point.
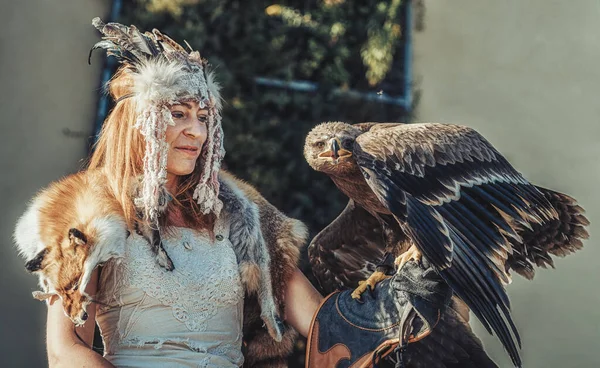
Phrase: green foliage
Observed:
(378, 52)
(336, 43)
(175, 7)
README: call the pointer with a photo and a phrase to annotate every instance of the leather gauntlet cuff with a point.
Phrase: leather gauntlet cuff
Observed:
(401, 310)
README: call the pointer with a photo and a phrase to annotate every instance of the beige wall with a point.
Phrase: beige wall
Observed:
(526, 75)
(47, 87)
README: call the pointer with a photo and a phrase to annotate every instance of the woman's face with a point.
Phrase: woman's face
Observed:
(185, 138)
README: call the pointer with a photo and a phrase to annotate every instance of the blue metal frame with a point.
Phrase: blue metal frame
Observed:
(405, 101)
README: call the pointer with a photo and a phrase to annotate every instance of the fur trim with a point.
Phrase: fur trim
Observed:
(160, 82)
(250, 274)
(27, 235)
(214, 88)
(284, 237)
(249, 246)
(111, 234)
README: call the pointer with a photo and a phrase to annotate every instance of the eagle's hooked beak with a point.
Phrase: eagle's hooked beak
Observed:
(335, 151)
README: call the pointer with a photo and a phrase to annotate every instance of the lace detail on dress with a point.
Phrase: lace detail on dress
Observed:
(194, 312)
(205, 278)
(204, 362)
(226, 348)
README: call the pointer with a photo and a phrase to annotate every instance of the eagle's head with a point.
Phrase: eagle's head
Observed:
(328, 147)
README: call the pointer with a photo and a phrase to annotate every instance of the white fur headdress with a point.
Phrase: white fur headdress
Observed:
(165, 73)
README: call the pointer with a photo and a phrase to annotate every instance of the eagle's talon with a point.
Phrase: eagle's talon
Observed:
(357, 293)
(369, 284)
(412, 254)
(376, 278)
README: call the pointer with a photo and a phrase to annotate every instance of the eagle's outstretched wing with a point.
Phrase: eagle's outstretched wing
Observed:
(347, 250)
(463, 205)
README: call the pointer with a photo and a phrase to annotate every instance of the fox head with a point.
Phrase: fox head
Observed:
(68, 229)
(62, 269)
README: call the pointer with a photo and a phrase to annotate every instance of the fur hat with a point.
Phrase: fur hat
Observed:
(164, 73)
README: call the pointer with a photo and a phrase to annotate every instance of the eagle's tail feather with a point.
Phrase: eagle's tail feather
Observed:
(558, 237)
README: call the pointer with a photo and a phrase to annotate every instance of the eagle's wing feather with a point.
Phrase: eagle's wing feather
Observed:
(462, 203)
(451, 344)
(466, 270)
(533, 242)
(368, 126)
(347, 250)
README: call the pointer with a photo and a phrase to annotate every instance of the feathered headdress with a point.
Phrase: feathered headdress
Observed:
(164, 73)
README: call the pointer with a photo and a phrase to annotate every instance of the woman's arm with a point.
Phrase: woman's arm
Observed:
(301, 302)
(70, 346)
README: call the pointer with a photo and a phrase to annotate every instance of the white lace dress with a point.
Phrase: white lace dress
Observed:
(190, 317)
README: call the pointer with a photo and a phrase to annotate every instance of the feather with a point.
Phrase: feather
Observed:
(104, 44)
(142, 42)
(347, 250)
(164, 40)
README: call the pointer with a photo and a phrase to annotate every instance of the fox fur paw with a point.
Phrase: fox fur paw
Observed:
(274, 325)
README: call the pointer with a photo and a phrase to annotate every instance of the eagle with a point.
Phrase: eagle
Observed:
(442, 192)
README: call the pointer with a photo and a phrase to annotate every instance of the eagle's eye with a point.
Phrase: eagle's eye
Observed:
(320, 144)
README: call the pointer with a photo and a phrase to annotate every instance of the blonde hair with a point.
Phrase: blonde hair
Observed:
(120, 151)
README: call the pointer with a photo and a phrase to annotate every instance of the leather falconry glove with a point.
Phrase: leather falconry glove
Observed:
(359, 334)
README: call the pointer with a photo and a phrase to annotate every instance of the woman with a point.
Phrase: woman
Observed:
(180, 304)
